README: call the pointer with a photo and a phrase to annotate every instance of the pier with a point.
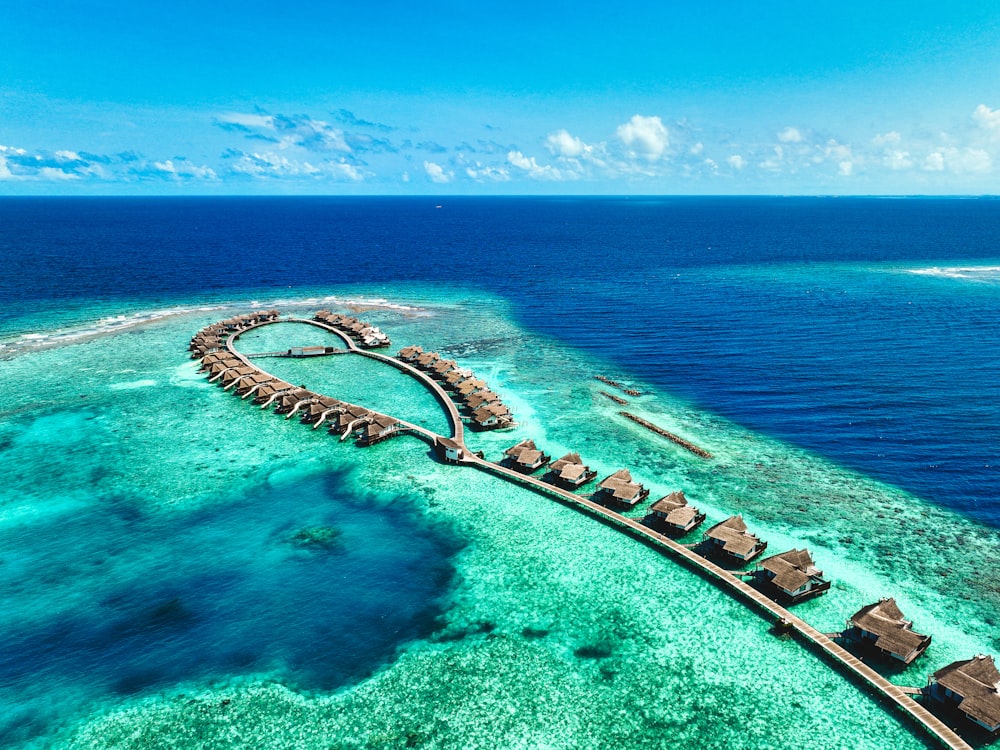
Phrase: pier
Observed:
(210, 344)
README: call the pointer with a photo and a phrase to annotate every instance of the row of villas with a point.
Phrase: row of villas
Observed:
(969, 688)
(365, 334)
(484, 408)
(213, 338)
(248, 382)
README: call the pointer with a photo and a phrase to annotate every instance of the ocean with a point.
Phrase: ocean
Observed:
(836, 356)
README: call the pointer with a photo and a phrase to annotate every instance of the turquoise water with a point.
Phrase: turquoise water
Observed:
(153, 552)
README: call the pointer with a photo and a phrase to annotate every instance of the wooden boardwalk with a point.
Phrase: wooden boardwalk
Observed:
(901, 697)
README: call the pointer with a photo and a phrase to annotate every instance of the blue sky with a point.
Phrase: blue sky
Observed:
(885, 97)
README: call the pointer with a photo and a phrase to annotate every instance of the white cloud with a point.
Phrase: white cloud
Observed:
(538, 171)
(644, 137)
(183, 169)
(896, 160)
(845, 168)
(486, 173)
(959, 161)
(736, 161)
(68, 156)
(934, 162)
(561, 143)
(697, 148)
(887, 139)
(437, 173)
(270, 164)
(986, 117)
(790, 135)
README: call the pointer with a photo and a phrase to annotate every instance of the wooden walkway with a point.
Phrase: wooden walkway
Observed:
(836, 654)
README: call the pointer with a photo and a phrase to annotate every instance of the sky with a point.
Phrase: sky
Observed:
(881, 97)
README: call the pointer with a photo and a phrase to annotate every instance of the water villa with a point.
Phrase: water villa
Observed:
(525, 457)
(291, 399)
(792, 575)
(378, 428)
(468, 386)
(881, 627)
(426, 360)
(350, 419)
(674, 513)
(448, 450)
(619, 489)
(731, 539)
(480, 399)
(570, 471)
(492, 417)
(455, 376)
(365, 334)
(318, 408)
(251, 383)
(441, 368)
(971, 687)
(409, 353)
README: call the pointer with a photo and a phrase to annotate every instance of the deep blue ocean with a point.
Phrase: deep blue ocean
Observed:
(798, 317)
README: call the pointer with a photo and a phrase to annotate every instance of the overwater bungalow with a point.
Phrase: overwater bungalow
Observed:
(619, 489)
(288, 401)
(270, 391)
(673, 513)
(441, 368)
(213, 357)
(525, 457)
(480, 399)
(467, 387)
(379, 428)
(731, 539)
(455, 376)
(234, 375)
(373, 338)
(570, 471)
(409, 353)
(219, 368)
(349, 420)
(448, 450)
(881, 627)
(318, 408)
(426, 360)
(251, 383)
(971, 687)
(492, 417)
(791, 575)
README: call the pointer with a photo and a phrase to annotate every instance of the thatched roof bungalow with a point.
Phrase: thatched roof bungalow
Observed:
(525, 457)
(972, 687)
(619, 489)
(792, 575)
(731, 539)
(570, 471)
(674, 513)
(882, 628)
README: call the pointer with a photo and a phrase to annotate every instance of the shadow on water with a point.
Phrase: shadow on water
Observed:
(303, 581)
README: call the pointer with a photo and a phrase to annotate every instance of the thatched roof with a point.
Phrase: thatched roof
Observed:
(515, 450)
(670, 502)
(482, 397)
(620, 485)
(893, 634)
(733, 535)
(410, 351)
(978, 682)
(792, 569)
(570, 459)
(470, 385)
(675, 509)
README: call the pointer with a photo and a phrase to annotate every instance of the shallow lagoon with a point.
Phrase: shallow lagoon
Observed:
(554, 631)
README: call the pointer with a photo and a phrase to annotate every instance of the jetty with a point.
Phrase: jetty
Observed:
(216, 348)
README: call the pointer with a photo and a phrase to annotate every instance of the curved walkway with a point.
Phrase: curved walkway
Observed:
(842, 658)
(439, 393)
